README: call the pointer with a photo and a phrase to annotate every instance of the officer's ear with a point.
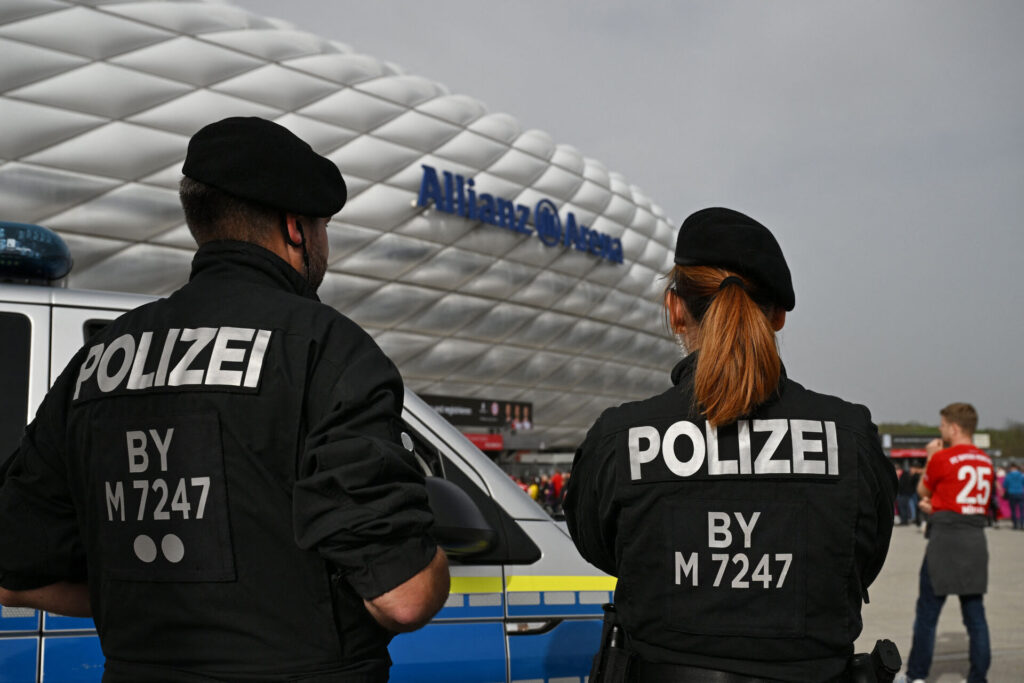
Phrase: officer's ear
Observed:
(293, 230)
(677, 313)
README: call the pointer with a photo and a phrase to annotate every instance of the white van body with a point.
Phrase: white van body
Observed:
(532, 612)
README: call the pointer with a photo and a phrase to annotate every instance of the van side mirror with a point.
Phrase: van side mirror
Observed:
(459, 525)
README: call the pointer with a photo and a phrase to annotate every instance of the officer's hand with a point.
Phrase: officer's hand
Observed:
(933, 447)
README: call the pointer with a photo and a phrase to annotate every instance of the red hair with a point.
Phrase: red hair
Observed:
(738, 366)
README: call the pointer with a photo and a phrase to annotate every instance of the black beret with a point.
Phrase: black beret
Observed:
(729, 239)
(266, 163)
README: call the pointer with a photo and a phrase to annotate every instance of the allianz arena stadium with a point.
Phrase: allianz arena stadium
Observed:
(487, 260)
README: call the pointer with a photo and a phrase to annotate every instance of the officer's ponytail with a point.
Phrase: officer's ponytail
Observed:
(730, 323)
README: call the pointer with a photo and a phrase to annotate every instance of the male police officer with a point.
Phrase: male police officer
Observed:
(955, 490)
(224, 467)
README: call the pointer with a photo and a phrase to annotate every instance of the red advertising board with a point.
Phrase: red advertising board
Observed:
(487, 442)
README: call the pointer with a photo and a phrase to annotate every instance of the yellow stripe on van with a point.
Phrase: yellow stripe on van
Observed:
(560, 583)
(476, 584)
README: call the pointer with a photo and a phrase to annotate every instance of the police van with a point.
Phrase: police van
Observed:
(524, 606)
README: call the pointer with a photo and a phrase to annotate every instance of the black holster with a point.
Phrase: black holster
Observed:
(612, 661)
(881, 666)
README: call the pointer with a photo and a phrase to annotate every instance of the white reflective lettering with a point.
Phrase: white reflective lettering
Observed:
(162, 446)
(137, 380)
(138, 459)
(716, 466)
(259, 350)
(668, 448)
(686, 567)
(719, 535)
(743, 437)
(832, 444)
(92, 359)
(748, 527)
(200, 337)
(115, 501)
(222, 353)
(126, 345)
(165, 357)
(637, 455)
(764, 463)
(803, 445)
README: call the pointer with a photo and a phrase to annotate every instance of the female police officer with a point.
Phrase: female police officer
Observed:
(744, 515)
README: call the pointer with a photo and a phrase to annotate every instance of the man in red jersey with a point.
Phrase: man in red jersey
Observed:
(955, 488)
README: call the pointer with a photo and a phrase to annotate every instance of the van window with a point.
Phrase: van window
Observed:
(15, 350)
(512, 545)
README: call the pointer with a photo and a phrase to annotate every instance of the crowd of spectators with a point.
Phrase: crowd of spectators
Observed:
(548, 489)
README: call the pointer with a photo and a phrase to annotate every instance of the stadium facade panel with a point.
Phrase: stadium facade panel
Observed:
(488, 261)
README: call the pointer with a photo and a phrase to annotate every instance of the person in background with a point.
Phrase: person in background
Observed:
(905, 494)
(1013, 485)
(955, 491)
(744, 515)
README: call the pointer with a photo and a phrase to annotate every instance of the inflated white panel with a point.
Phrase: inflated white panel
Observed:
(418, 131)
(189, 60)
(388, 256)
(449, 314)
(344, 291)
(102, 89)
(83, 31)
(501, 127)
(380, 207)
(98, 101)
(25, 64)
(95, 152)
(277, 86)
(400, 346)
(159, 269)
(343, 69)
(471, 149)
(353, 110)
(129, 211)
(458, 109)
(372, 157)
(31, 194)
(519, 167)
(406, 90)
(448, 268)
(13, 10)
(322, 137)
(271, 44)
(185, 17)
(536, 143)
(39, 127)
(591, 196)
(569, 158)
(502, 321)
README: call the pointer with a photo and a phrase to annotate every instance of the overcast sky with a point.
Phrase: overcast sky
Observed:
(882, 142)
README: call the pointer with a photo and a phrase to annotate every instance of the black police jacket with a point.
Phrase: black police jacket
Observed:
(746, 548)
(225, 468)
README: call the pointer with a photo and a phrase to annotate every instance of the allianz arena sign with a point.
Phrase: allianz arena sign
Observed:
(455, 194)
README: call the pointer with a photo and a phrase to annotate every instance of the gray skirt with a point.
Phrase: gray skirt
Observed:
(957, 553)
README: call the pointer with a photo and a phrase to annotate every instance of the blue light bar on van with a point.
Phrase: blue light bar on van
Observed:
(32, 253)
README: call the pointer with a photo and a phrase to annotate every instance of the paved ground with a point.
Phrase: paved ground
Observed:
(891, 611)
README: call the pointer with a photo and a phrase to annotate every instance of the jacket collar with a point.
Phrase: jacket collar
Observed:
(250, 263)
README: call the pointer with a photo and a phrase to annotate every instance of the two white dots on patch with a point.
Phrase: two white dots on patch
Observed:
(171, 547)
